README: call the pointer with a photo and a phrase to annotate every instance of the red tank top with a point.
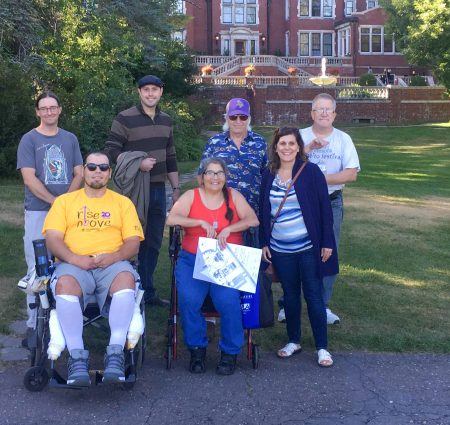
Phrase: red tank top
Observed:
(200, 211)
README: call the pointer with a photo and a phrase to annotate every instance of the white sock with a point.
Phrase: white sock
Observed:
(120, 314)
(71, 320)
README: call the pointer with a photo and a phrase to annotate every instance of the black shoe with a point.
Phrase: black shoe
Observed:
(227, 364)
(159, 302)
(197, 363)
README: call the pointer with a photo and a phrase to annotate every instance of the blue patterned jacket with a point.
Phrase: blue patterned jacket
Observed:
(245, 165)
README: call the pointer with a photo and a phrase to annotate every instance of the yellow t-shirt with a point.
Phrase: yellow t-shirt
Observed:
(93, 226)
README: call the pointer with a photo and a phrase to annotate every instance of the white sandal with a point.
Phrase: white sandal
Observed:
(288, 350)
(324, 358)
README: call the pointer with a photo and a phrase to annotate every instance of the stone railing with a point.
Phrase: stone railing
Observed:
(225, 65)
(362, 93)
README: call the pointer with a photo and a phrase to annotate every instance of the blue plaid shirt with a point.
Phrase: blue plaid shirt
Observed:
(245, 165)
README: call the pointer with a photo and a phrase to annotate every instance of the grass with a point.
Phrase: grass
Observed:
(393, 290)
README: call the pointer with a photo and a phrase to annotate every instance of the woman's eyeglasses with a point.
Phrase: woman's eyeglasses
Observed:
(211, 173)
(241, 117)
(92, 167)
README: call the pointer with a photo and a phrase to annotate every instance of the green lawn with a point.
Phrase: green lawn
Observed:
(393, 292)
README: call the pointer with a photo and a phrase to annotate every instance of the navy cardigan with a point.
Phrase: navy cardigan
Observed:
(312, 194)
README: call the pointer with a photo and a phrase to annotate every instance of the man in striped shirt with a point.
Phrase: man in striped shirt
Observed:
(147, 129)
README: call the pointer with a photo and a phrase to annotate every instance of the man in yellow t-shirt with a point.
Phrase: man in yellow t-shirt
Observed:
(92, 232)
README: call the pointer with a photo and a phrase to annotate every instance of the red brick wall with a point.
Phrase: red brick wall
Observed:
(292, 105)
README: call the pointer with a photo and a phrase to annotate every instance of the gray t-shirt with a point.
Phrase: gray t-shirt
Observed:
(53, 158)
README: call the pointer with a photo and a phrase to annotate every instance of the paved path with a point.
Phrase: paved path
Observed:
(361, 388)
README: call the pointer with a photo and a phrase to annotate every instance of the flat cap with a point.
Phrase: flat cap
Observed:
(150, 80)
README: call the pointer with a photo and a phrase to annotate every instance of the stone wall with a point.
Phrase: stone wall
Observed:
(277, 105)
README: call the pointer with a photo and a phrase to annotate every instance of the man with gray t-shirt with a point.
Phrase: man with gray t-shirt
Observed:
(51, 164)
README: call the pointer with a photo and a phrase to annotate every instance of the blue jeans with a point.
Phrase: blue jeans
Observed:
(191, 295)
(337, 205)
(296, 271)
(149, 248)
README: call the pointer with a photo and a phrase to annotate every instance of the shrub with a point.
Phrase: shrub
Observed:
(417, 81)
(367, 80)
(187, 119)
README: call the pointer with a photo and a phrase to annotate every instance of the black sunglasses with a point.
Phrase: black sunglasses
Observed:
(92, 167)
(241, 117)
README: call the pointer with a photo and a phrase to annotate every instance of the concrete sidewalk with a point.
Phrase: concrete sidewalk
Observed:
(361, 388)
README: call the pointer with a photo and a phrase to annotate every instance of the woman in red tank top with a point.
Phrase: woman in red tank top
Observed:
(212, 211)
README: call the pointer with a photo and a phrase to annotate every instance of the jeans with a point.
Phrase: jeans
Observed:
(297, 271)
(149, 248)
(337, 205)
(191, 295)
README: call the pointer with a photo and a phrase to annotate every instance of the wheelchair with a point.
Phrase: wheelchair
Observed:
(208, 310)
(42, 370)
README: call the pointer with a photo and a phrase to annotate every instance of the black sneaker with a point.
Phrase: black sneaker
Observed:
(197, 363)
(227, 364)
(78, 366)
(114, 364)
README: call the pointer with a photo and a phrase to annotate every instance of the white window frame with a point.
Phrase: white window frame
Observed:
(287, 9)
(371, 4)
(310, 33)
(235, 5)
(287, 43)
(181, 7)
(382, 35)
(344, 37)
(353, 7)
(322, 6)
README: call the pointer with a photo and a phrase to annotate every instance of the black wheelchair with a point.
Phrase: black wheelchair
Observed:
(208, 309)
(43, 371)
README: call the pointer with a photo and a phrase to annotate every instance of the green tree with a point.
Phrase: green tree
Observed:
(422, 30)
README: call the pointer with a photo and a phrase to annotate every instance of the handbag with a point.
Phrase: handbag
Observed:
(270, 270)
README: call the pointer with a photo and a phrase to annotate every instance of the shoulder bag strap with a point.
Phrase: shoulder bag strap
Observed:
(286, 195)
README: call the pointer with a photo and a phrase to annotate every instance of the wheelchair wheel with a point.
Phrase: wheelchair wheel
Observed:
(169, 355)
(35, 379)
(255, 356)
(42, 337)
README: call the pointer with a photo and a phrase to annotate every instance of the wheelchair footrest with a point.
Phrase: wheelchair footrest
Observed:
(57, 381)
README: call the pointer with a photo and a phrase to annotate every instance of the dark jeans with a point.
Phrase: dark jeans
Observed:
(297, 271)
(149, 249)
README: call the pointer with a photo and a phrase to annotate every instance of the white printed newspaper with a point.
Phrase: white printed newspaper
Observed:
(236, 266)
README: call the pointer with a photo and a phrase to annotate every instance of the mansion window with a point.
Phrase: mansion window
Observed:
(349, 7)
(371, 4)
(181, 7)
(374, 40)
(316, 8)
(316, 44)
(239, 12)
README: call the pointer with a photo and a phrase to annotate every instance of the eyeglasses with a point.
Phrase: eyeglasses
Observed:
(211, 173)
(51, 109)
(92, 167)
(324, 110)
(241, 117)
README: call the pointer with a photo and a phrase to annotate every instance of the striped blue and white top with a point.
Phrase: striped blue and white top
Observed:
(289, 232)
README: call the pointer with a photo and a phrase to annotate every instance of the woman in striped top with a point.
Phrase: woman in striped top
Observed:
(300, 241)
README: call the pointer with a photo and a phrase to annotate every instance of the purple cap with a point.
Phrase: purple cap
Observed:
(238, 106)
(150, 80)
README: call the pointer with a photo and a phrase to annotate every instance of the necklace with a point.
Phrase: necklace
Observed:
(282, 183)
